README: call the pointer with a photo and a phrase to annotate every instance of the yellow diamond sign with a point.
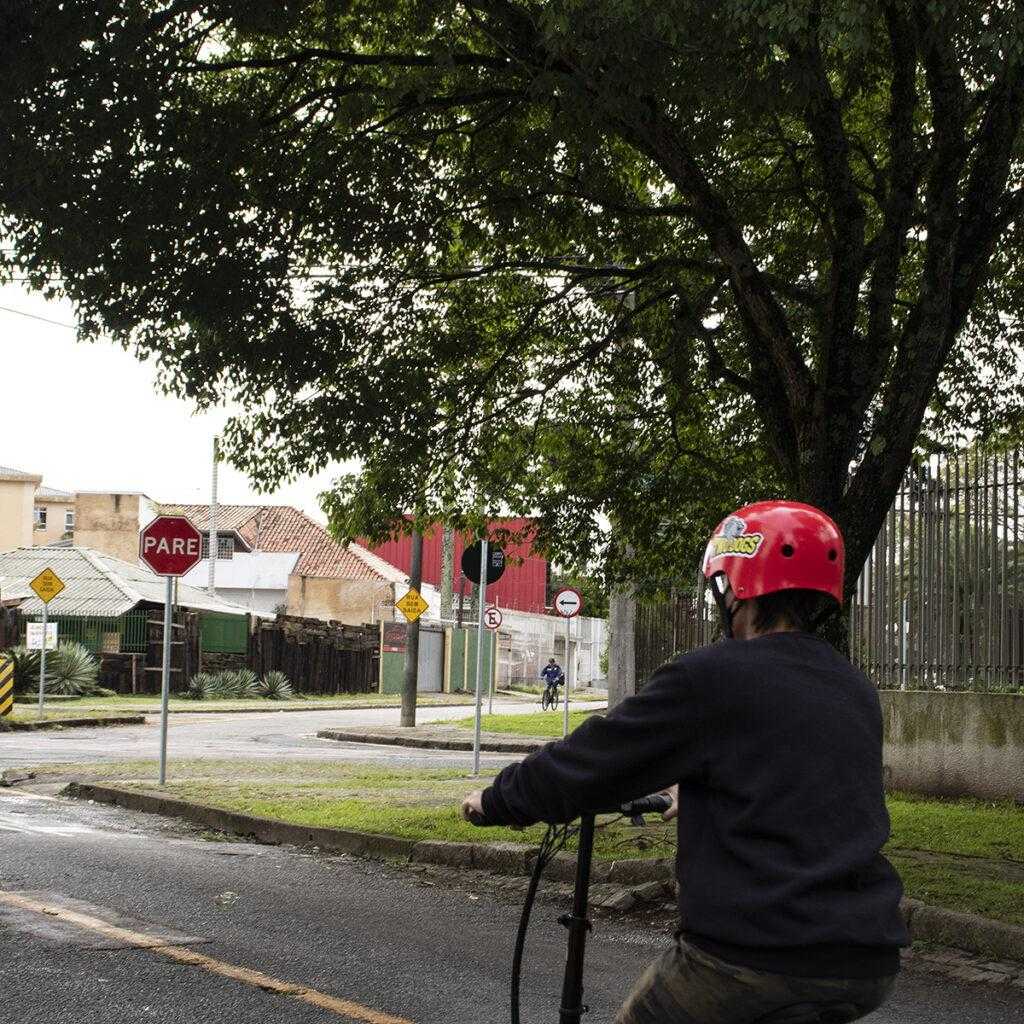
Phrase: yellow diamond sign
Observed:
(412, 606)
(47, 585)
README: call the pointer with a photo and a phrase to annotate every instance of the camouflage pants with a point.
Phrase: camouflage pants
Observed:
(688, 986)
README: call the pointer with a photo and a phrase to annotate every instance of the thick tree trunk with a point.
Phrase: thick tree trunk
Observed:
(621, 646)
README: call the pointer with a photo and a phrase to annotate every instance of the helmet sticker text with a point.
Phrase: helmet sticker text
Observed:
(734, 540)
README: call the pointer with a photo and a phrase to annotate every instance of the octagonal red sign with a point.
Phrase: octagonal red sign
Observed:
(171, 546)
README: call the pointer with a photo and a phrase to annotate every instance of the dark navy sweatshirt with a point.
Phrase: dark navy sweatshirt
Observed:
(776, 744)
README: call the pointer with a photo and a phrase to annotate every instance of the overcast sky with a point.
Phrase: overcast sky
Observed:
(88, 417)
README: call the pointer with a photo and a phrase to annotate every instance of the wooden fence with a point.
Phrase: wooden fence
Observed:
(12, 628)
(318, 657)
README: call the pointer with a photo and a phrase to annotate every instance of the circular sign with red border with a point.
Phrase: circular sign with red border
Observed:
(492, 618)
(568, 602)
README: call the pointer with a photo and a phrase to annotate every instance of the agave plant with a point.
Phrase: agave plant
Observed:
(26, 668)
(203, 686)
(240, 684)
(275, 686)
(72, 671)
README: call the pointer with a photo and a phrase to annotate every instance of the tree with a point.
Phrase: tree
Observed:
(448, 237)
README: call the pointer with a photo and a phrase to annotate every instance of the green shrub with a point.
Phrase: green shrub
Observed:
(241, 684)
(203, 686)
(275, 686)
(72, 671)
(26, 669)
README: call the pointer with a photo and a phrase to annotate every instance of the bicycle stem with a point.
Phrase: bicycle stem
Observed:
(578, 924)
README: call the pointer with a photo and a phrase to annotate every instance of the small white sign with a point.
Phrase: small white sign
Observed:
(34, 639)
(492, 618)
(568, 602)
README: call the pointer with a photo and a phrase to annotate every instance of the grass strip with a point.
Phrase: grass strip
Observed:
(544, 724)
(138, 703)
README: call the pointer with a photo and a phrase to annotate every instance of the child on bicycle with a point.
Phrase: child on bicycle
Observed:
(771, 742)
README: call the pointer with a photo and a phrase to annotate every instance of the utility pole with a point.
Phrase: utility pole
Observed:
(211, 585)
(412, 637)
(447, 571)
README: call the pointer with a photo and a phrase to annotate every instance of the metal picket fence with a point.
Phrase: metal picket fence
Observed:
(940, 602)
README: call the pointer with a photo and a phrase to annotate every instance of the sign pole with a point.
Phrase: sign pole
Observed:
(479, 652)
(42, 664)
(493, 644)
(568, 677)
(165, 688)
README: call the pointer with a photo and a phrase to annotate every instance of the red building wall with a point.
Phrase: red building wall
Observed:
(522, 588)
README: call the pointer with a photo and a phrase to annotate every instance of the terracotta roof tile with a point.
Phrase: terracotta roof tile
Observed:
(281, 528)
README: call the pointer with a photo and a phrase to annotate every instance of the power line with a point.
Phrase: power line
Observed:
(33, 316)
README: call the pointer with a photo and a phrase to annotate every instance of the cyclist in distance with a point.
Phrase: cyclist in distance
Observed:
(552, 675)
(771, 743)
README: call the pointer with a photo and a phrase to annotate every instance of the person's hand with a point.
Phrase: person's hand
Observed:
(473, 804)
(673, 794)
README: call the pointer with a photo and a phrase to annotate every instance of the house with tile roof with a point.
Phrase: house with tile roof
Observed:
(275, 558)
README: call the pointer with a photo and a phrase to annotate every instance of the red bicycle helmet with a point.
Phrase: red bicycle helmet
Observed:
(777, 545)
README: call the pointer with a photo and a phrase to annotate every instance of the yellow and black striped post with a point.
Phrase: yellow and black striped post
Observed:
(6, 684)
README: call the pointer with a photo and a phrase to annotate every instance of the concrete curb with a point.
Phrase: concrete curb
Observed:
(503, 746)
(498, 858)
(977, 934)
(970, 932)
(292, 708)
(76, 723)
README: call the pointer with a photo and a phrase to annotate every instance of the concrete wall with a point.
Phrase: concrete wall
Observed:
(352, 602)
(56, 517)
(16, 504)
(954, 744)
(110, 523)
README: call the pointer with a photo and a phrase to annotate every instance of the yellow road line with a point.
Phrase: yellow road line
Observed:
(341, 1007)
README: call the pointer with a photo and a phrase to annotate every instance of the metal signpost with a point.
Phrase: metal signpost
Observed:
(482, 564)
(492, 620)
(47, 585)
(568, 603)
(170, 546)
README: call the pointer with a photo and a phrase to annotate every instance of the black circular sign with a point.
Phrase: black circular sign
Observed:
(471, 563)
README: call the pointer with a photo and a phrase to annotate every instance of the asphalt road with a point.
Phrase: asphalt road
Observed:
(289, 734)
(376, 940)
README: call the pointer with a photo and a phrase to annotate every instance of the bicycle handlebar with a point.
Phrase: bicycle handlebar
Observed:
(656, 803)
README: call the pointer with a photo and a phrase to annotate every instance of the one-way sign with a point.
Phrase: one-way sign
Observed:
(568, 602)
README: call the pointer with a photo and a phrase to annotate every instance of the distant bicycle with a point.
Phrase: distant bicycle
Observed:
(551, 696)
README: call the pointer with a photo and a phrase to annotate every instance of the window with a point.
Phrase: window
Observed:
(39, 517)
(69, 520)
(225, 546)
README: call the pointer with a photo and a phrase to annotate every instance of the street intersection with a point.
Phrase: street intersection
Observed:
(109, 916)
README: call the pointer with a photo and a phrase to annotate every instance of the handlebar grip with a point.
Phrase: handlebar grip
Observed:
(657, 803)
